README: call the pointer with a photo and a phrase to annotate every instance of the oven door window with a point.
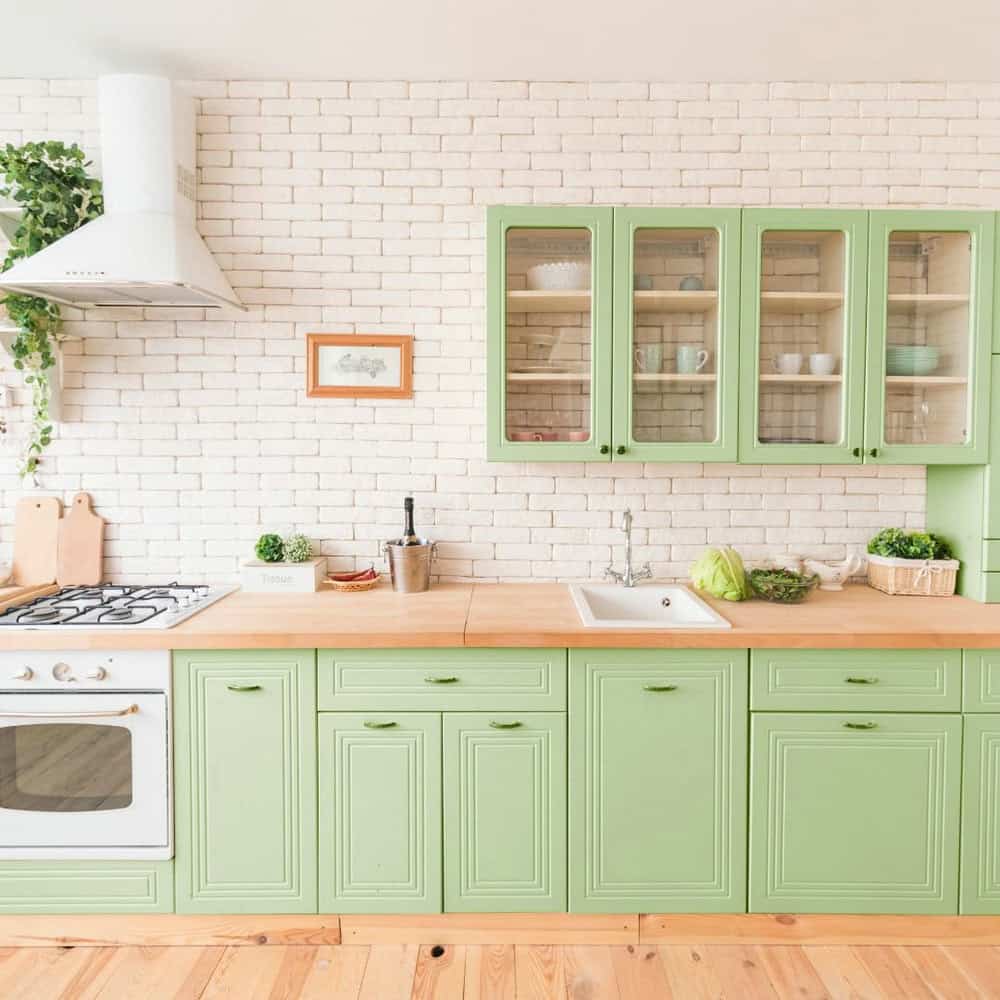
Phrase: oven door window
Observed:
(65, 768)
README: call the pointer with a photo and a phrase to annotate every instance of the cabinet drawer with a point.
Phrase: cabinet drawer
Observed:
(981, 681)
(889, 680)
(86, 886)
(430, 680)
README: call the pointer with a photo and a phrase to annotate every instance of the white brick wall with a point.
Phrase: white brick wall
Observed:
(344, 206)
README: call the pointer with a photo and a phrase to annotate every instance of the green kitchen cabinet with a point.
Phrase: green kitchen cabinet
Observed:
(505, 812)
(930, 309)
(854, 813)
(245, 781)
(981, 815)
(380, 812)
(676, 334)
(44, 886)
(549, 299)
(802, 352)
(657, 776)
(981, 680)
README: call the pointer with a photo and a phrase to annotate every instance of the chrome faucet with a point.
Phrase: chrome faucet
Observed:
(629, 577)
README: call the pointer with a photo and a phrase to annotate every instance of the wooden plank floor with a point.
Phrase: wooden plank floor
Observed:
(502, 972)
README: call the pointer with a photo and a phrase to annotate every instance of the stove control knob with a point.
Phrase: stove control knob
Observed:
(24, 674)
(63, 672)
(97, 675)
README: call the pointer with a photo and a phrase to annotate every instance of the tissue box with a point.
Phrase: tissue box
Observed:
(282, 577)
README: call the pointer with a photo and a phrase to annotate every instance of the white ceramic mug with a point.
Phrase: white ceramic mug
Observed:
(788, 364)
(691, 359)
(649, 359)
(822, 364)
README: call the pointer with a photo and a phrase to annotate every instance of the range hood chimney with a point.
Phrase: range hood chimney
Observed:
(145, 249)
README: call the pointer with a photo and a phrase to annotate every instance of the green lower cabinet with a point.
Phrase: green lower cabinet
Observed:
(981, 815)
(505, 812)
(658, 779)
(380, 812)
(854, 813)
(245, 780)
(86, 886)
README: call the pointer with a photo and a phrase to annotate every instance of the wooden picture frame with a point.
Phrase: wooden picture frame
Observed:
(337, 365)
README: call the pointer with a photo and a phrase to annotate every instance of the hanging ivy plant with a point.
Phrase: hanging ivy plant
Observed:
(50, 184)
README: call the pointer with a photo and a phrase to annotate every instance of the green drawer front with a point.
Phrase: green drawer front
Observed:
(981, 683)
(86, 887)
(991, 588)
(991, 555)
(873, 680)
(430, 680)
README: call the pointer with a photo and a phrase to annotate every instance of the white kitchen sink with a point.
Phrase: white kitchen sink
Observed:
(609, 605)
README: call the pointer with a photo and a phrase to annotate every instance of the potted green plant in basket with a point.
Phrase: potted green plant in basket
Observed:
(911, 562)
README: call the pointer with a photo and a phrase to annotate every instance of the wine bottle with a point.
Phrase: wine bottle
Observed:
(409, 535)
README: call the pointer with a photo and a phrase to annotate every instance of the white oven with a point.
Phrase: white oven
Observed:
(85, 755)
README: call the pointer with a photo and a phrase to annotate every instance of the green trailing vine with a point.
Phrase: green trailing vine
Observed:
(49, 182)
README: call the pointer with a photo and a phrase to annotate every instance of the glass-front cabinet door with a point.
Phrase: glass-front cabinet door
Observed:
(803, 333)
(929, 316)
(549, 294)
(676, 329)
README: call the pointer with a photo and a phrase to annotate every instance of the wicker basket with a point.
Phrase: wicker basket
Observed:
(916, 577)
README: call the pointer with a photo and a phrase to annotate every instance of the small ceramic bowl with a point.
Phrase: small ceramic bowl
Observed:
(561, 275)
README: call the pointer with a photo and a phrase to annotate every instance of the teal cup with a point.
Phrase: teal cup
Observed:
(691, 359)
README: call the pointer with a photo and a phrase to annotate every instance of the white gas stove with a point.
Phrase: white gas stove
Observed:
(108, 606)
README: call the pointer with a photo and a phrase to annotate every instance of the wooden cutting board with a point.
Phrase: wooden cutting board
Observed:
(81, 545)
(36, 533)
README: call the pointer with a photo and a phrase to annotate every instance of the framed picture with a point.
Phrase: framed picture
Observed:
(359, 364)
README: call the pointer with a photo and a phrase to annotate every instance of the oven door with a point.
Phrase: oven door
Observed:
(81, 771)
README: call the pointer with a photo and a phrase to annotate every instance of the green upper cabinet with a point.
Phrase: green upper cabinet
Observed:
(802, 335)
(245, 779)
(930, 300)
(676, 330)
(549, 296)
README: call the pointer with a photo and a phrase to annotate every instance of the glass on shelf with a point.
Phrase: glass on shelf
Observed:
(803, 337)
(549, 335)
(928, 338)
(675, 335)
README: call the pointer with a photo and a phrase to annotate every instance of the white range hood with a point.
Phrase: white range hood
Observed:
(145, 249)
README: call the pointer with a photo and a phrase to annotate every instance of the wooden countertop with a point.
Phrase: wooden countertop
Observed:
(538, 614)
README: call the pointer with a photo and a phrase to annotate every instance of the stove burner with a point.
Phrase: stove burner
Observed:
(42, 614)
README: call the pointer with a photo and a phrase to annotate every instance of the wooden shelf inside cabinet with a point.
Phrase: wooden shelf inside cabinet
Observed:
(675, 301)
(545, 301)
(925, 381)
(932, 302)
(654, 377)
(802, 379)
(800, 302)
(528, 377)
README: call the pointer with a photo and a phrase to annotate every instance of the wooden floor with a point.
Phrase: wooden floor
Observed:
(503, 972)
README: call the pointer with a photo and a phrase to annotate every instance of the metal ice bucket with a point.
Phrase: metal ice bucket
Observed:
(410, 565)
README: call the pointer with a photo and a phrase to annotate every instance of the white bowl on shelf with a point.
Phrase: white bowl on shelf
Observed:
(561, 275)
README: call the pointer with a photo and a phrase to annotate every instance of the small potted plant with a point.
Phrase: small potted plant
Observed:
(283, 565)
(911, 562)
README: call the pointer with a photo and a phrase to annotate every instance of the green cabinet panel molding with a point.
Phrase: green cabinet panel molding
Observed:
(981, 686)
(422, 680)
(854, 813)
(657, 780)
(86, 886)
(843, 680)
(245, 781)
(380, 813)
(981, 815)
(505, 812)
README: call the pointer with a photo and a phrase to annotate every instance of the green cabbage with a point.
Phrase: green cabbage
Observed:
(720, 573)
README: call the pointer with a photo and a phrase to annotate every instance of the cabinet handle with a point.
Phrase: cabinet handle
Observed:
(605, 448)
(861, 725)
(856, 452)
(440, 680)
(243, 687)
(378, 725)
(504, 725)
(620, 450)
(873, 452)
(861, 680)
(659, 687)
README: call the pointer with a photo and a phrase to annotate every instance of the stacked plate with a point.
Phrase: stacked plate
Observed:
(911, 360)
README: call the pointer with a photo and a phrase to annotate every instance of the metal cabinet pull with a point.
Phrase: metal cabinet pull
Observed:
(861, 725)
(504, 725)
(113, 714)
(605, 448)
(440, 680)
(861, 680)
(243, 687)
(378, 725)
(659, 687)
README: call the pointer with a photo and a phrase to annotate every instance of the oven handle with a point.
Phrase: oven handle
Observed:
(130, 710)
